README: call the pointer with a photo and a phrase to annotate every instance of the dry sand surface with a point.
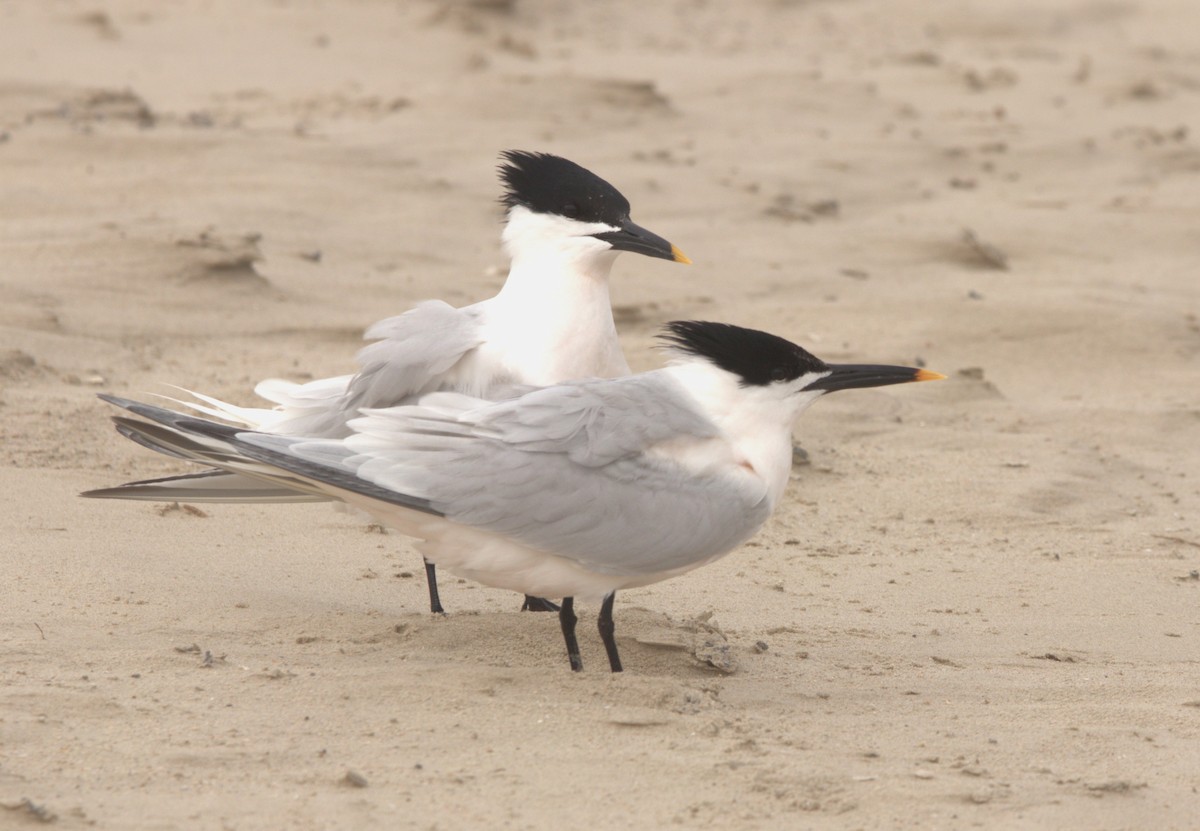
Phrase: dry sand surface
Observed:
(977, 606)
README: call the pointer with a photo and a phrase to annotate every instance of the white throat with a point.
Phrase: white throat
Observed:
(553, 317)
(756, 421)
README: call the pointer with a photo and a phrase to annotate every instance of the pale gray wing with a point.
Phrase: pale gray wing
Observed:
(639, 515)
(412, 354)
(586, 484)
(594, 422)
(566, 469)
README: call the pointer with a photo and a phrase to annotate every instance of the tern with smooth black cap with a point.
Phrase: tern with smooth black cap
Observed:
(551, 322)
(579, 489)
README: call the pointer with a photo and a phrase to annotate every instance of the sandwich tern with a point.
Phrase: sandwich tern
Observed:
(551, 322)
(579, 489)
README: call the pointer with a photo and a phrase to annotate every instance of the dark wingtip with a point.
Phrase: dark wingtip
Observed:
(101, 493)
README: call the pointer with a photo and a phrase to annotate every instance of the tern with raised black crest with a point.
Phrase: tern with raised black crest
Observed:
(580, 489)
(552, 321)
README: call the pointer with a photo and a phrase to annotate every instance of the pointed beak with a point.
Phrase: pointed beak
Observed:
(855, 376)
(635, 238)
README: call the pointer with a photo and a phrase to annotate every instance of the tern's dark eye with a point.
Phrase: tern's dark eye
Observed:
(779, 373)
(570, 210)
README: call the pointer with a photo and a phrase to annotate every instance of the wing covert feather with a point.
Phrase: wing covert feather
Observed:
(412, 354)
(567, 470)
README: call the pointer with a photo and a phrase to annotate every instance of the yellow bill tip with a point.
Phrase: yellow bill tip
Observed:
(928, 375)
(679, 256)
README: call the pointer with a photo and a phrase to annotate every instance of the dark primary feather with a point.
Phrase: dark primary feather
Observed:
(230, 448)
(208, 486)
(758, 358)
(553, 185)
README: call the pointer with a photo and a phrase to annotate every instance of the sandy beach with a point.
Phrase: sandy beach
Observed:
(979, 603)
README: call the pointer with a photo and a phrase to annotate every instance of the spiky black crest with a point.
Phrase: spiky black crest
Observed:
(758, 358)
(553, 185)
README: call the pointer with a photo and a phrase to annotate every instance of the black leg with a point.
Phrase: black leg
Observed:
(605, 622)
(566, 617)
(435, 602)
(538, 604)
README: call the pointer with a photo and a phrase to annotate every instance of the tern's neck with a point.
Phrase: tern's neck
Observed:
(555, 318)
(756, 422)
(558, 273)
